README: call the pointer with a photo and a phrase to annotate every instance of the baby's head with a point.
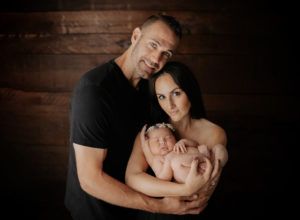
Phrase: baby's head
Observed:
(161, 138)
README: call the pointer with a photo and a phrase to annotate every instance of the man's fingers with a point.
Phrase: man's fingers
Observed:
(196, 211)
(190, 198)
(194, 207)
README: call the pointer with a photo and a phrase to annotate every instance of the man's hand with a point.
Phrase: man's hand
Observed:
(183, 205)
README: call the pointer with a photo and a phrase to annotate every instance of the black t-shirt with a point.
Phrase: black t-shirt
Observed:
(106, 112)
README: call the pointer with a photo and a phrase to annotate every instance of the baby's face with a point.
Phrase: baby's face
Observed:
(161, 141)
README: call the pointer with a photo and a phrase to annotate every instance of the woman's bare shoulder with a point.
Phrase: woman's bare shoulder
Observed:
(216, 133)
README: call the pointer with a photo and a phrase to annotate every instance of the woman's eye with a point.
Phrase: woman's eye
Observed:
(177, 93)
(160, 97)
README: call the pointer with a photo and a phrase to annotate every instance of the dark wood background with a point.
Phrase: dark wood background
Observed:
(240, 52)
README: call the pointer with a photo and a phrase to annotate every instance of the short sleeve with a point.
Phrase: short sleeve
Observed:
(89, 117)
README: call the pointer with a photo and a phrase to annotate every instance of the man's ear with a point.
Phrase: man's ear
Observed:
(136, 35)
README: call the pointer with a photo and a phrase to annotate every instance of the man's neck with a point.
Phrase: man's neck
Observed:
(125, 66)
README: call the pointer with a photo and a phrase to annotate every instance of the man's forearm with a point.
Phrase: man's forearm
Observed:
(110, 190)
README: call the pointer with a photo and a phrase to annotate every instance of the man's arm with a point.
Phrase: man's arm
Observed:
(96, 182)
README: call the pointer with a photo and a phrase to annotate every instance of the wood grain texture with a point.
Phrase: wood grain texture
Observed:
(123, 22)
(240, 52)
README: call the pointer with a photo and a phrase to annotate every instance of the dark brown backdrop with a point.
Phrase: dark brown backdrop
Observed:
(239, 51)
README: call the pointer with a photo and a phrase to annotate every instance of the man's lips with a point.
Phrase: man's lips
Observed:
(149, 68)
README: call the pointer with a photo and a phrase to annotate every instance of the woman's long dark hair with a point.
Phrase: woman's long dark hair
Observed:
(186, 80)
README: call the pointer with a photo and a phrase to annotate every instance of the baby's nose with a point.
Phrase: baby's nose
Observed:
(162, 141)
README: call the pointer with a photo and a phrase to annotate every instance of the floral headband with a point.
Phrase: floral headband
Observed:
(161, 125)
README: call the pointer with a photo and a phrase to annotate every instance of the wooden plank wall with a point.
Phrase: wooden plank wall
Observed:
(238, 50)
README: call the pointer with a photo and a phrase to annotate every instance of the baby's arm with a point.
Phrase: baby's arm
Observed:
(182, 144)
(162, 167)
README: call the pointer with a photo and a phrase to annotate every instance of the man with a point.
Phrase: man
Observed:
(108, 110)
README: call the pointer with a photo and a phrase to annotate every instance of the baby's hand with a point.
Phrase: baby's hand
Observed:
(179, 147)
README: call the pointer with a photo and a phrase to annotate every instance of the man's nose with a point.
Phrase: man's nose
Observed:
(155, 58)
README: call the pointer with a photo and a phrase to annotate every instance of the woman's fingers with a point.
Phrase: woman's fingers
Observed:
(143, 138)
(217, 169)
(208, 169)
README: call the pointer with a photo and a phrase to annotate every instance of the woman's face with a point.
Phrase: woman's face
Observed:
(172, 99)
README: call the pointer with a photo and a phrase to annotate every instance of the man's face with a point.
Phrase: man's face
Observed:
(152, 46)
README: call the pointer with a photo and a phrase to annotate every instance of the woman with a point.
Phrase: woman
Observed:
(176, 99)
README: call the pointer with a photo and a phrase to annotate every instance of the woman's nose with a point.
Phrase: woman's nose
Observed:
(171, 104)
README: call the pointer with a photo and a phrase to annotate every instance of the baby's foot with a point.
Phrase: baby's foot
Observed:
(203, 149)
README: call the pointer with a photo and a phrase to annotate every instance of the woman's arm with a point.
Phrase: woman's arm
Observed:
(220, 153)
(218, 142)
(138, 179)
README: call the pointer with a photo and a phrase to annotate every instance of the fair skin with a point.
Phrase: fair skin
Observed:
(146, 55)
(174, 101)
(169, 158)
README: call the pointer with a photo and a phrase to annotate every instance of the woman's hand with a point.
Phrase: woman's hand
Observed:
(208, 189)
(219, 158)
(195, 180)
(144, 139)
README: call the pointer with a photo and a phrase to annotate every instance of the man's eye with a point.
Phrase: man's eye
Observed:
(167, 55)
